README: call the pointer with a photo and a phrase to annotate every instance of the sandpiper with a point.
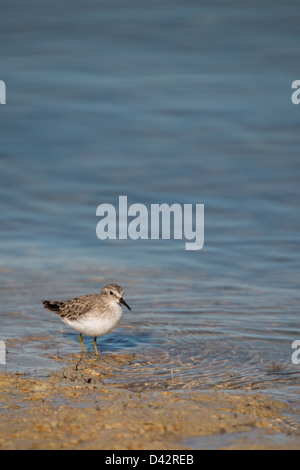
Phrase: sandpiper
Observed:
(93, 314)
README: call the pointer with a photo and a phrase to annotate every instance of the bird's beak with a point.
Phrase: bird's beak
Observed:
(122, 301)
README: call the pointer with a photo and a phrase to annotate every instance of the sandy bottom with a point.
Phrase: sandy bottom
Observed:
(81, 406)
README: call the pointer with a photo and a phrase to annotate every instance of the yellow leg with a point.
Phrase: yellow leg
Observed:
(95, 346)
(81, 342)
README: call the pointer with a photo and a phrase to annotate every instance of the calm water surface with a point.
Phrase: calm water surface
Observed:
(162, 102)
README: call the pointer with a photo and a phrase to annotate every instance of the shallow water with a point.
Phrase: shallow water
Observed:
(245, 440)
(186, 103)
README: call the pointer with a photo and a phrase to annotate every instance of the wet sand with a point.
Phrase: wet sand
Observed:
(82, 406)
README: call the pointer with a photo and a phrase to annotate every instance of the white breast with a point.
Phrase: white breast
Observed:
(93, 325)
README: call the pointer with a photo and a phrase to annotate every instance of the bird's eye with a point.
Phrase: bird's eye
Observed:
(111, 293)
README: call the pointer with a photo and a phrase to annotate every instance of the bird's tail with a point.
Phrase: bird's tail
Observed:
(53, 305)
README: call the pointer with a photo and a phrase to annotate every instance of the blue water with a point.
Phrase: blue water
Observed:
(165, 102)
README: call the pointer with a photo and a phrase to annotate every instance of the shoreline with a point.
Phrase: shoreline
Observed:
(79, 407)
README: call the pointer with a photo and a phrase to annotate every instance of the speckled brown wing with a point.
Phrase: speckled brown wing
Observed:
(74, 308)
